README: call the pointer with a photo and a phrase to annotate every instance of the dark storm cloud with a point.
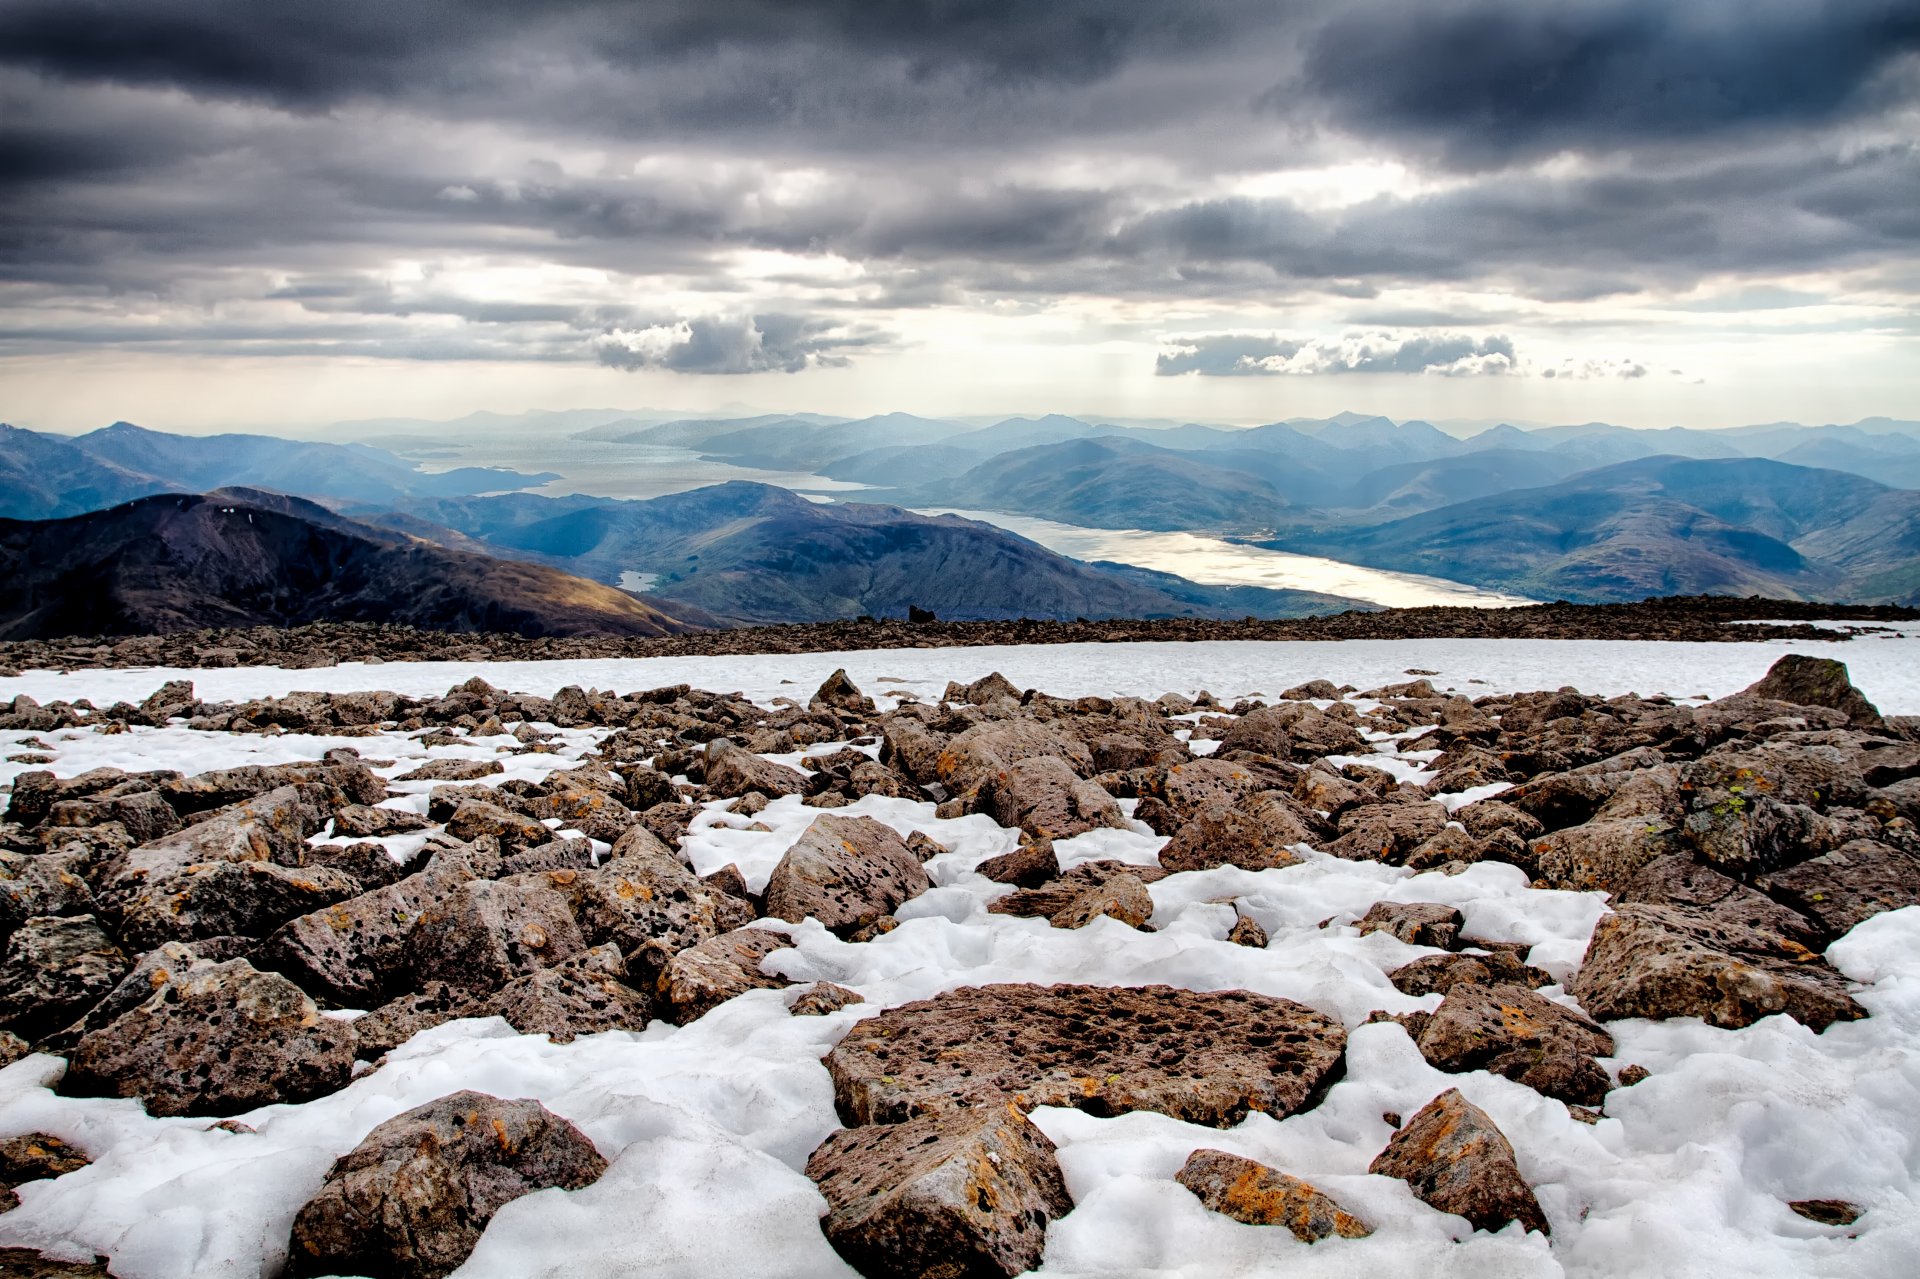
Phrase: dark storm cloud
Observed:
(1253, 355)
(1483, 81)
(200, 156)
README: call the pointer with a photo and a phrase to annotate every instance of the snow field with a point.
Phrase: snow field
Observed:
(707, 1127)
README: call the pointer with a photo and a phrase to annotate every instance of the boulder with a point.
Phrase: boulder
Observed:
(1296, 730)
(453, 770)
(702, 977)
(1455, 1158)
(1028, 866)
(580, 996)
(846, 872)
(984, 691)
(411, 1200)
(1123, 897)
(1509, 1030)
(823, 997)
(1675, 961)
(1603, 854)
(1257, 1195)
(1043, 797)
(1204, 1057)
(476, 819)
(644, 898)
(961, 1193)
(732, 771)
(353, 952)
(1416, 923)
(1439, 974)
(839, 693)
(1677, 880)
(1246, 931)
(41, 884)
(1187, 787)
(1816, 681)
(1847, 886)
(224, 899)
(214, 1039)
(395, 1022)
(971, 758)
(1387, 832)
(37, 1156)
(55, 969)
(1254, 833)
(1055, 896)
(485, 933)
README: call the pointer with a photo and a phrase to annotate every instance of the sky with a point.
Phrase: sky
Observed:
(249, 212)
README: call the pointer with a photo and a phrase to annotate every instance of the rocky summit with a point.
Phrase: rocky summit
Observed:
(974, 984)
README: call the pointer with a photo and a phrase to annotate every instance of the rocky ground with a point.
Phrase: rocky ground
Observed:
(1696, 618)
(1523, 885)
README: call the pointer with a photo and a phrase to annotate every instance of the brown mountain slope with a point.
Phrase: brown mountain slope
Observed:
(171, 562)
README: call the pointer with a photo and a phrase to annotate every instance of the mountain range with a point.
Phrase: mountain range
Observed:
(239, 558)
(45, 476)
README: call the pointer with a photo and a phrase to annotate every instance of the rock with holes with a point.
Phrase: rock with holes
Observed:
(584, 995)
(411, 1200)
(42, 884)
(1043, 797)
(1056, 895)
(961, 1193)
(1204, 1057)
(1256, 833)
(1256, 1195)
(824, 997)
(970, 759)
(398, 1020)
(1387, 832)
(56, 969)
(487, 932)
(644, 897)
(733, 771)
(1028, 866)
(1246, 931)
(845, 872)
(1848, 886)
(353, 952)
(226, 899)
(37, 1156)
(1455, 1158)
(701, 978)
(1123, 897)
(1510, 1030)
(215, 1039)
(1416, 923)
(1438, 974)
(1676, 961)
(475, 819)
(1816, 681)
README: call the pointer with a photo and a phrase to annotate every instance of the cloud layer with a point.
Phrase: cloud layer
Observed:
(746, 186)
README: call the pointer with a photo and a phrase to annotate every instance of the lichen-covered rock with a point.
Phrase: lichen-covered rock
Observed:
(1416, 923)
(1849, 885)
(1123, 897)
(733, 770)
(1191, 785)
(411, 1200)
(1045, 798)
(1386, 832)
(1256, 1195)
(353, 951)
(453, 770)
(702, 977)
(1678, 880)
(1816, 681)
(224, 899)
(1293, 729)
(486, 933)
(37, 1156)
(215, 1039)
(398, 1020)
(1438, 974)
(362, 821)
(1509, 1030)
(1050, 898)
(42, 884)
(824, 997)
(845, 872)
(965, 1193)
(1602, 854)
(1673, 961)
(1246, 931)
(972, 757)
(839, 693)
(584, 995)
(1256, 833)
(1028, 866)
(1105, 1050)
(1455, 1158)
(475, 819)
(55, 969)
